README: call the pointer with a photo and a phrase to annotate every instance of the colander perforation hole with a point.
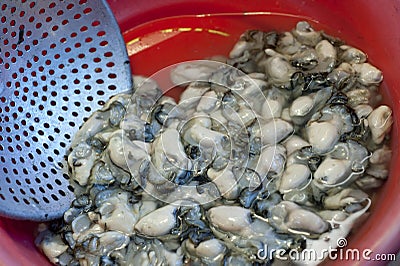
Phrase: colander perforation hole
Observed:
(54, 197)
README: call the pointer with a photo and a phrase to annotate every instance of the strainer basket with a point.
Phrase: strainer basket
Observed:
(59, 61)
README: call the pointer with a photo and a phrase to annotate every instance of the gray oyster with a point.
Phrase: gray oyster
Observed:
(209, 252)
(324, 131)
(289, 217)
(159, 222)
(343, 165)
(305, 34)
(242, 232)
(380, 122)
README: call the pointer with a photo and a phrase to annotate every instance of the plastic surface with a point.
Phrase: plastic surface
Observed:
(371, 25)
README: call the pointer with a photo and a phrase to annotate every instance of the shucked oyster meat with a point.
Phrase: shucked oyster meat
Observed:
(280, 146)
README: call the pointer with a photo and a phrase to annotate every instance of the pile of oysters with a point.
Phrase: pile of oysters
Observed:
(278, 146)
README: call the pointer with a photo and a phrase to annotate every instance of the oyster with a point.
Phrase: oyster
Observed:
(289, 217)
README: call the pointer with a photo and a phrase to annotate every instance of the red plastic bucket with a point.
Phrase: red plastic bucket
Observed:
(373, 26)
